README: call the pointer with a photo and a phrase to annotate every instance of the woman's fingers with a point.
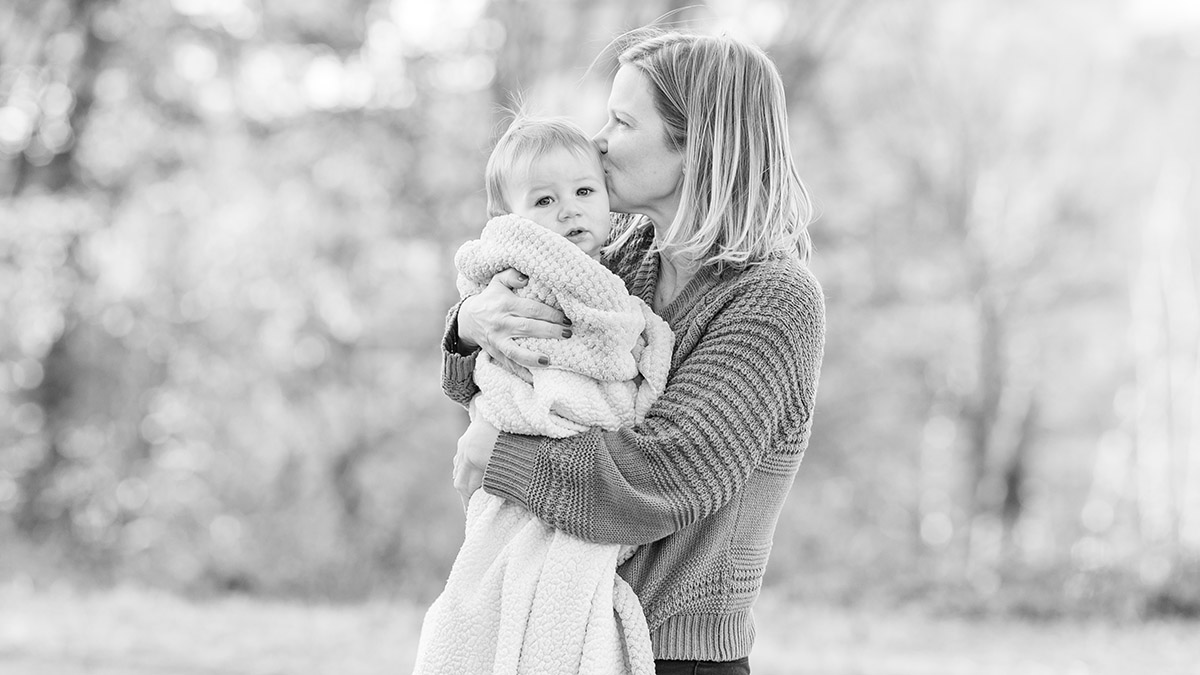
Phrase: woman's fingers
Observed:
(511, 278)
(496, 317)
(530, 318)
(514, 357)
(518, 324)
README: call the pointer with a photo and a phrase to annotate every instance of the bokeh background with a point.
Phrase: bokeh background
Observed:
(226, 233)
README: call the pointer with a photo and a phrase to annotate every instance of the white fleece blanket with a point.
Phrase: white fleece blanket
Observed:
(523, 597)
(604, 375)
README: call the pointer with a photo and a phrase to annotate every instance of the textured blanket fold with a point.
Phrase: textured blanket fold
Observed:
(521, 596)
(593, 377)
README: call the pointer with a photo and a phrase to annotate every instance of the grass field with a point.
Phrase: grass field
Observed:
(137, 632)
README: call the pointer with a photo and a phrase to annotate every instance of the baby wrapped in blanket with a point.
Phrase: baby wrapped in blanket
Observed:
(523, 597)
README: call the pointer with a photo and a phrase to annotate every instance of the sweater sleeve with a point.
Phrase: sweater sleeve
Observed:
(746, 389)
(458, 370)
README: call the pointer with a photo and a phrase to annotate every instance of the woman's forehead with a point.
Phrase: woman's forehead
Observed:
(631, 91)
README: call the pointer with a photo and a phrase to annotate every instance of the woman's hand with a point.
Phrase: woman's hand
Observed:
(492, 318)
(474, 453)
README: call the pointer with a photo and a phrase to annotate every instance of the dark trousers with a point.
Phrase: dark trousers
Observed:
(739, 667)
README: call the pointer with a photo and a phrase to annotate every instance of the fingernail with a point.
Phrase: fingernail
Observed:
(544, 360)
(522, 277)
(567, 320)
(567, 332)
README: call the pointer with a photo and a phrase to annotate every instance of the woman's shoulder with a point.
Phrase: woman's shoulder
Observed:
(785, 277)
(781, 291)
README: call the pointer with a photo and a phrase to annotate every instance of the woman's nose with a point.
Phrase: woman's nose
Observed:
(601, 142)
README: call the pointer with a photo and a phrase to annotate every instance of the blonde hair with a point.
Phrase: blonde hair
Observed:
(528, 137)
(722, 102)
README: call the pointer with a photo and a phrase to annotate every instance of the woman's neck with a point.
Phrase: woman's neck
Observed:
(662, 215)
(675, 269)
(674, 272)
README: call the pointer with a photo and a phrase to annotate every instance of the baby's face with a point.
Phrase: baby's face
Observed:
(563, 192)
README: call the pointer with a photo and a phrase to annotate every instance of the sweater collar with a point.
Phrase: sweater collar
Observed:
(645, 279)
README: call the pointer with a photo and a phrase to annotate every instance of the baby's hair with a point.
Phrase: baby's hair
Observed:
(528, 137)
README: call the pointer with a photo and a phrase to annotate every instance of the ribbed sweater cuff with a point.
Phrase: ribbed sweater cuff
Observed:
(704, 637)
(510, 471)
(456, 367)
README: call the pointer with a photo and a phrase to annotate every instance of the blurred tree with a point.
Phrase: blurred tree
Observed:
(977, 289)
(53, 64)
(1154, 441)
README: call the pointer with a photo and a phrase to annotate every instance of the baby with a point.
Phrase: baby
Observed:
(523, 597)
(550, 220)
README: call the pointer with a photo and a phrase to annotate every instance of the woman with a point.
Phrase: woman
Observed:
(697, 145)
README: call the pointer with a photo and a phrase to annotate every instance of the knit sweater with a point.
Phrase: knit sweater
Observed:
(700, 483)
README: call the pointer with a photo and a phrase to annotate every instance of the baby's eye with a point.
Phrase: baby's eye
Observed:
(585, 191)
(544, 201)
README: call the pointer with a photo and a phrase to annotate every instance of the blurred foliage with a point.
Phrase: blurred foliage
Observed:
(226, 232)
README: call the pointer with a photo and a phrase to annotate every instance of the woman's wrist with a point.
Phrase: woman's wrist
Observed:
(454, 342)
(463, 342)
(462, 347)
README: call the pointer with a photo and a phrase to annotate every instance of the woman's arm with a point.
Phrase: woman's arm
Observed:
(745, 389)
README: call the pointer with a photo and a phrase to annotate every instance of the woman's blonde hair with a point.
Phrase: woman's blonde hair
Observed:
(723, 105)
